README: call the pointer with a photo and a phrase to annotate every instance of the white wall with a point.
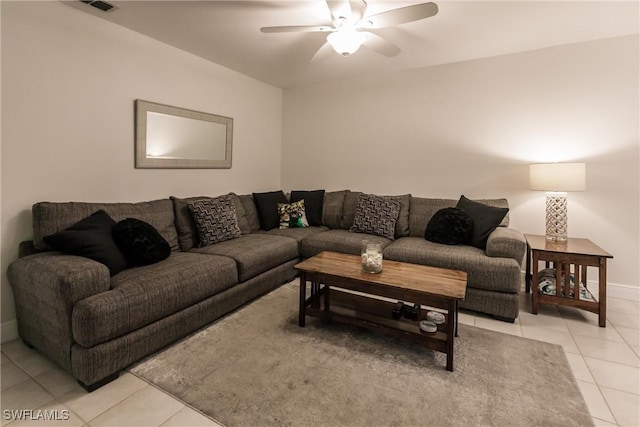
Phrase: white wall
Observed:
(69, 81)
(473, 127)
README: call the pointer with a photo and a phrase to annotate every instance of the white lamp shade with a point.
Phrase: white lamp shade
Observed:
(557, 177)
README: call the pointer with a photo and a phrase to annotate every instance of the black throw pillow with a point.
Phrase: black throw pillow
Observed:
(140, 242)
(313, 201)
(90, 238)
(450, 226)
(485, 219)
(267, 205)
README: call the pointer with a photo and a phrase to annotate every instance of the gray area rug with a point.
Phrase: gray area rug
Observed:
(256, 367)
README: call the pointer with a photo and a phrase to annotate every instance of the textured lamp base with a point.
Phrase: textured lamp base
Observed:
(556, 217)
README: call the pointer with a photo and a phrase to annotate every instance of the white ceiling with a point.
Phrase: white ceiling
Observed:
(228, 33)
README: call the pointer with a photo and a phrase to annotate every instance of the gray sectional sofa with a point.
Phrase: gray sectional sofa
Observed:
(94, 325)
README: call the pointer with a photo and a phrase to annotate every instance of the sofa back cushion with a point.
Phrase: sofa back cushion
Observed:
(248, 220)
(402, 225)
(51, 217)
(422, 209)
(349, 209)
(246, 214)
(332, 207)
(187, 231)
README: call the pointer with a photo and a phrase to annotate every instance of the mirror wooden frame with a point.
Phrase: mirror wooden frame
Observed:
(143, 160)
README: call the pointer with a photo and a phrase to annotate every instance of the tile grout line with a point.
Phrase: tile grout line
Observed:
(185, 404)
(115, 404)
(564, 320)
(30, 377)
(571, 334)
(58, 399)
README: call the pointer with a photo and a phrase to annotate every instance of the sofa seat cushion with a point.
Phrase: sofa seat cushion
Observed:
(142, 295)
(483, 272)
(254, 253)
(338, 241)
(295, 233)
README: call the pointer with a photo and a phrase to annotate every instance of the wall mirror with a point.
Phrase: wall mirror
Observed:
(172, 137)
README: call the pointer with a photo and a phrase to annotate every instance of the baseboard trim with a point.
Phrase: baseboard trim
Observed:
(8, 331)
(617, 290)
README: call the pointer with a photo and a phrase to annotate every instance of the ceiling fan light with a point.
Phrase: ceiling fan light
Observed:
(346, 41)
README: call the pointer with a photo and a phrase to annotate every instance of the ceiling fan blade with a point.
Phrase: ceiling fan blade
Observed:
(297, 29)
(402, 15)
(358, 9)
(380, 45)
(338, 9)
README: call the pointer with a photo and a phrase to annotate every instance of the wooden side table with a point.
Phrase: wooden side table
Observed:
(570, 258)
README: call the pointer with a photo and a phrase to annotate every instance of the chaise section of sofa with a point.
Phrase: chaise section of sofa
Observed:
(485, 275)
(493, 274)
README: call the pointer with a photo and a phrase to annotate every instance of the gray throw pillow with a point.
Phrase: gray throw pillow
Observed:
(376, 215)
(215, 219)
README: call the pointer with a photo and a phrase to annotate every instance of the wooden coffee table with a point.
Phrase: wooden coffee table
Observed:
(428, 286)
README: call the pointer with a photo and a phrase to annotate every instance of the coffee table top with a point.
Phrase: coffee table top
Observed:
(413, 277)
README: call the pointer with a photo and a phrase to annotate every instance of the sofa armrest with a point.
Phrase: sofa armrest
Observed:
(506, 242)
(60, 279)
(46, 287)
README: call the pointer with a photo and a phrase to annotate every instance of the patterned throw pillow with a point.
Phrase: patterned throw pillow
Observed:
(215, 219)
(376, 215)
(292, 215)
(313, 202)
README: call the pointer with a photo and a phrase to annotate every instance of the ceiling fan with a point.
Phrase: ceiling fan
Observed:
(350, 24)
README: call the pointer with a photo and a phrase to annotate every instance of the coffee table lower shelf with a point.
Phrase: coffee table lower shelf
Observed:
(369, 313)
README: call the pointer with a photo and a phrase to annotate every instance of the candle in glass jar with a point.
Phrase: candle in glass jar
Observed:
(371, 257)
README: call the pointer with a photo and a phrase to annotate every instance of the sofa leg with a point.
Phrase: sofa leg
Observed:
(96, 385)
(504, 319)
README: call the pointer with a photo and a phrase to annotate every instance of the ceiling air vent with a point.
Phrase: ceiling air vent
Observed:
(98, 4)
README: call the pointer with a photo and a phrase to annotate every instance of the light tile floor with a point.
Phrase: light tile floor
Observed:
(605, 363)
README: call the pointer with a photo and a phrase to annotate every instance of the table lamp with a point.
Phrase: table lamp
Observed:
(556, 179)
